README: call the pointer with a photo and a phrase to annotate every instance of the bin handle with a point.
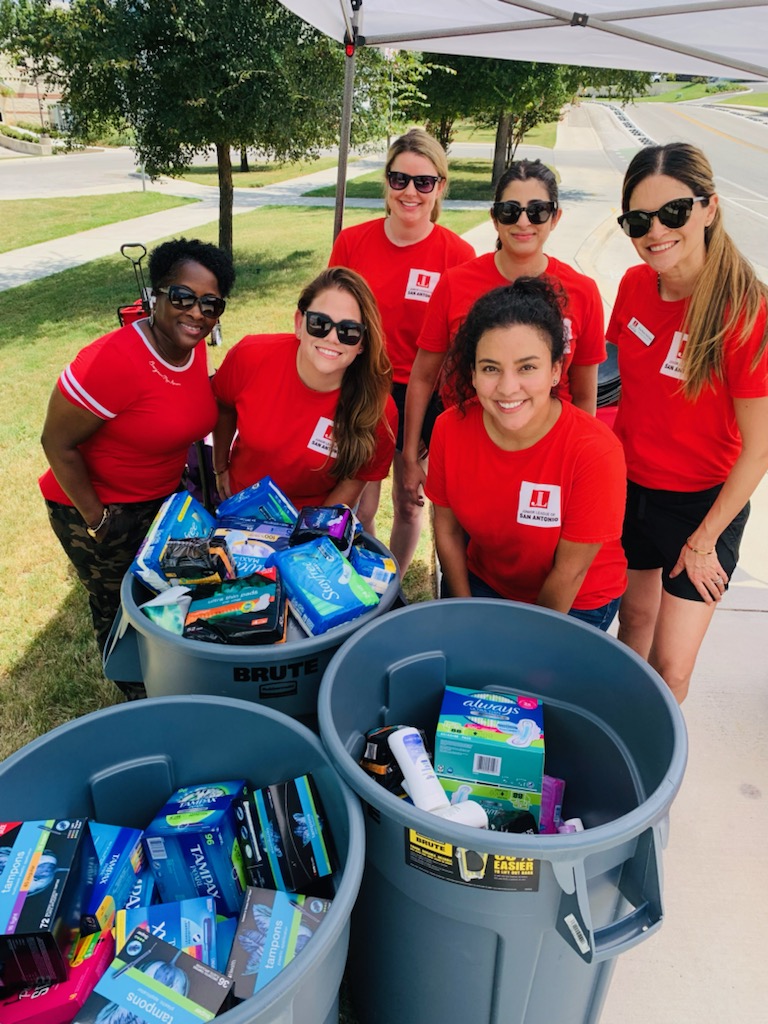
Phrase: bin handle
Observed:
(121, 658)
(639, 883)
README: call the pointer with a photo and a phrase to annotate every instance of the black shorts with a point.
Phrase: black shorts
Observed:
(434, 409)
(657, 525)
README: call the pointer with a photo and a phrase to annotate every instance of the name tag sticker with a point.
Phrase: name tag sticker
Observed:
(640, 332)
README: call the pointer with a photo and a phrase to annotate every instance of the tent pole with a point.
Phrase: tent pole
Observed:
(350, 47)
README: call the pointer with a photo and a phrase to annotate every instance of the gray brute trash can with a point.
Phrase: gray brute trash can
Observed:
(455, 924)
(119, 766)
(285, 676)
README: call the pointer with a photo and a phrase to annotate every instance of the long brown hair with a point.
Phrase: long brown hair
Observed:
(416, 140)
(728, 296)
(366, 383)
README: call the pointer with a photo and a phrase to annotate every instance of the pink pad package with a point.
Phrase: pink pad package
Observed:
(552, 790)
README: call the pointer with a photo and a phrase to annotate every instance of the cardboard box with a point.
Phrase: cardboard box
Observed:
(150, 981)
(273, 929)
(490, 738)
(263, 501)
(376, 569)
(253, 549)
(192, 846)
(57, 1003)
(189, 925)
(143, 891)
(47, 869)
(498, 801)
(179, 517)
(121, 859)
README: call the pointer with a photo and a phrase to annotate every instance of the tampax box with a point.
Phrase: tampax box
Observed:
(188, 924)
(57, 1003)
(287, 844)
(121, 858)
(274, 927)
(492, 738)
(192, 846)
(47, 869)
(149, 982)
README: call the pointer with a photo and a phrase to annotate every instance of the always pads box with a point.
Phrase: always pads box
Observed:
(191, 845)
(121, 859)
(180, 517)
(274, 927)
(47, 870)
(150, 981)
(322, 587)
(189, 925)
(285, 843)
(500, 802)
(489, 737)
(263, 501)
(58, 1003)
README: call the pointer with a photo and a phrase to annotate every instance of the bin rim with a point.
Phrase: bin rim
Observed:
(338, 916)
(553, 848)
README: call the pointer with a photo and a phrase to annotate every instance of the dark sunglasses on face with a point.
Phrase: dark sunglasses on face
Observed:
(398, 180)
(181, 297)
(673, 214)
(510, 212)
(319, 325)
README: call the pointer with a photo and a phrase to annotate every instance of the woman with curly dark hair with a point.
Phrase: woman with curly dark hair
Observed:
(528, 489)
(123, 415)
(311, 409)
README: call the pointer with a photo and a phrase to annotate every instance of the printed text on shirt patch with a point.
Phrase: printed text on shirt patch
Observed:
(321, 438)
(539, 504)
(672, 365)
(421, 284)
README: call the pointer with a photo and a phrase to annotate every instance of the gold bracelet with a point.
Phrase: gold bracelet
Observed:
(696, 551)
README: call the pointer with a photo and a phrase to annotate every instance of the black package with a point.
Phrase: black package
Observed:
(197, 560)
(380, 763)
(250, 610)
(333, 521)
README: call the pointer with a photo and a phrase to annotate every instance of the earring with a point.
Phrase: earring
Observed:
(555, 382)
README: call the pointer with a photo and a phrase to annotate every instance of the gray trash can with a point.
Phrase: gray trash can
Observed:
(285, 676)
(119, 765)
(523, 929)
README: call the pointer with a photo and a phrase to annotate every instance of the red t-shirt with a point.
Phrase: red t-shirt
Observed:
(402, 277)
(283, 426)
(515, 506)
(460, 288)
(152, 412)
(671, 443)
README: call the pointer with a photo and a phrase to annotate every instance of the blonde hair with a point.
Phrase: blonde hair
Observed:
(416, 140)
(367, 380)
(728, 296)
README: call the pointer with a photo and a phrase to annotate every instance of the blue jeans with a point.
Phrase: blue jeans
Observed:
(601, 617)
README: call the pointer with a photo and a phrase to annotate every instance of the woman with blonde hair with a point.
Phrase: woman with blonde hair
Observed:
(690, 325)
(402, 257)
(311, 409)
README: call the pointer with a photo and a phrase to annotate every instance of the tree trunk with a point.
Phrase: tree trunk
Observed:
(244, 160)
(226, 197)
(500, 146)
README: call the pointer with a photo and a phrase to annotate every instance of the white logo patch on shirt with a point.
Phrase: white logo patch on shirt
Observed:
(321, 438)
(421, 284)
(672, 365)
(641, 332)
(539, 504)
(568, 331)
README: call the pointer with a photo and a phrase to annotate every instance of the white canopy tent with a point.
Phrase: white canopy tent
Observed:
(711, 37)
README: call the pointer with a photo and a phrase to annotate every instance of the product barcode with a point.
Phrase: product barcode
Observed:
(370, 751)
(576, 931)
(156, 848)
(486, 765)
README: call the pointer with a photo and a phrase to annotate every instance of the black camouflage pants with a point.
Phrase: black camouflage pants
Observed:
(101, 564)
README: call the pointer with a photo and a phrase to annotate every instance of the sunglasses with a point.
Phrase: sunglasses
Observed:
(398, 180)
(319, 325)
(181, 297)
(673, 214)
(510, 212)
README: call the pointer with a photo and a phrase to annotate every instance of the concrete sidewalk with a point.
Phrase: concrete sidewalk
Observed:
(706, 965)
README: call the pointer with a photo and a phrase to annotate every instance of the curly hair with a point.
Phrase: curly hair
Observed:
(728, 296)
(366, 383)
(532, 301)
(167, 259)
(417, 141)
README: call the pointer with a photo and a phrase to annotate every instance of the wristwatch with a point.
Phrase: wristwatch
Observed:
(93, 530)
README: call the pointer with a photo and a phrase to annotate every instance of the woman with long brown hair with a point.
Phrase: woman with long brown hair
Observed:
(311, 409)
(690, 325)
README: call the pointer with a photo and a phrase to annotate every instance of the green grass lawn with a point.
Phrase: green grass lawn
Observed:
(49, 666)
(541, 135)
(749, 99)
(29, 221)
(684, 91)
(259, 174)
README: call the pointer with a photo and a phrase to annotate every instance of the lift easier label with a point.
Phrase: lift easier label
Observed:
(468, 867)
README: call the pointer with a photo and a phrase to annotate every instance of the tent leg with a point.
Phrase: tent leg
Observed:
(346, 130)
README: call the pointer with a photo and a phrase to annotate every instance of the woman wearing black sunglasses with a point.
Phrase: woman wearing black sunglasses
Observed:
(402, 257)
(690, 324)
(123, 415)
(311, 409)
(525, 212)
